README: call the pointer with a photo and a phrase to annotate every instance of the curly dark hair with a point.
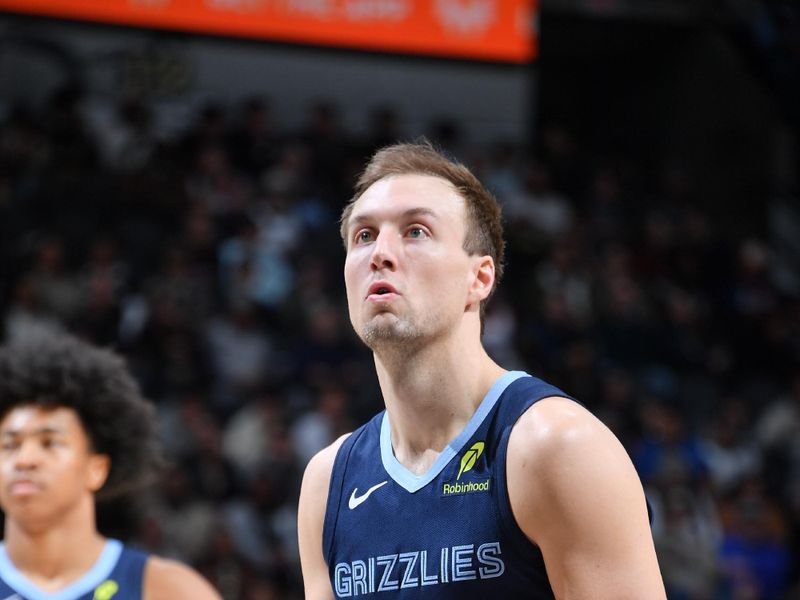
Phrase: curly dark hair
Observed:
(52, 370)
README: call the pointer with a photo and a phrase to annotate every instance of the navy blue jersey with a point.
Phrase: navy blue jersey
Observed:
(118, 574)
(448, 533)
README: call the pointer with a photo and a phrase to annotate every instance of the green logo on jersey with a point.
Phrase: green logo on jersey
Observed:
(105, 590)
(470, 457)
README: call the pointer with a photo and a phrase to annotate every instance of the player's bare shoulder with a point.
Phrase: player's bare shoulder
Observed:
(552, 423)
(311, 519)
(318, 471)
(557, 437)
(314, 494)
(167, 579)
(555, 449)
(575, 493)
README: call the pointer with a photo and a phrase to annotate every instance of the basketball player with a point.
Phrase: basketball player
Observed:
(72, 426)
(475, 482)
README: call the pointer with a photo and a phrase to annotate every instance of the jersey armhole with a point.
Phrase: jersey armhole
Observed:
(507, 519)
(135, 565)
(536, 390)
(335, 492)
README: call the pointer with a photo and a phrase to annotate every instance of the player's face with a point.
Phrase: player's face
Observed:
(407, 274)
(47, 468)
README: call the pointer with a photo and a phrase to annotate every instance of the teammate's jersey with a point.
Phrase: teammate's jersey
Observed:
(117, 574)
(448, 533)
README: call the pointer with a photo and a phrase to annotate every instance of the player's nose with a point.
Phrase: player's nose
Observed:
(28, 455)
(384, 251)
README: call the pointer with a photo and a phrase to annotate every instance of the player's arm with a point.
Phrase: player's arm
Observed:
(575, 493)
(310, 520)
(167, 579)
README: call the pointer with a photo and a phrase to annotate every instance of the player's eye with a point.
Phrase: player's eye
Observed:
(364, 235)
(417, 232)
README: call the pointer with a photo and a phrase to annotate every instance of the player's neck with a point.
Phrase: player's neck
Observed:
(431, 396)
(52, 557)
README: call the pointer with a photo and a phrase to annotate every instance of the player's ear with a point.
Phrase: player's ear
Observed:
(482, 279)
(99, 467)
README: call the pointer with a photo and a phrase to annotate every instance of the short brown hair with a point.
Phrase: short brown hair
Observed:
(484, 235)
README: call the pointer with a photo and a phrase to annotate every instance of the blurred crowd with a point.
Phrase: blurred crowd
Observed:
(211, 259)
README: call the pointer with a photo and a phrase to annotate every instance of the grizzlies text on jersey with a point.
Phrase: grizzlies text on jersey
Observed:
(448, 533)
(117, 574)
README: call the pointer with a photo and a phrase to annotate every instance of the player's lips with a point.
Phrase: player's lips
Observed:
(381, 291)
(24, 487)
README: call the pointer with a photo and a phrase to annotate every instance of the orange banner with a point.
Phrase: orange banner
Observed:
(497, 30)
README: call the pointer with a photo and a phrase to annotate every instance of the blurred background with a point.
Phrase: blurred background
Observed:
(170, 185)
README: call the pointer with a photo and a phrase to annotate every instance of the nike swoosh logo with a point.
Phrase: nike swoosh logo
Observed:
(356, 500)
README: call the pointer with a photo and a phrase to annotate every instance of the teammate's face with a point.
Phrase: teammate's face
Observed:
(47, 468)
(407, 274)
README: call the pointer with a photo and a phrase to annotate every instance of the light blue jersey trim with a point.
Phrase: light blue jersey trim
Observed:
(413, 483)
(99, 572)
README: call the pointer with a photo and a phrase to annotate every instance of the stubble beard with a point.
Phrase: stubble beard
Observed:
(391, 333)
(399, 335)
